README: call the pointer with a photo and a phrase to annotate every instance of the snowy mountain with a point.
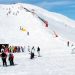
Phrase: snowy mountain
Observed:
(25, 24)
(18, 20)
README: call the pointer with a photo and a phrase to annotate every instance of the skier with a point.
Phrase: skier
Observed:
(32, 53)
(4, 56)
(11, 58)
(38, 51)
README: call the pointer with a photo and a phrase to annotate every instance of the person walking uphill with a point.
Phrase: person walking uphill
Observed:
(4, 56)
(11, 58)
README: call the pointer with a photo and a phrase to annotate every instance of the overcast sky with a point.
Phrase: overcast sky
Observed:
(65, 7)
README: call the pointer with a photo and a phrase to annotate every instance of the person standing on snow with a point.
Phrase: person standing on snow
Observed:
(11, 58)
(68, 43)
(2, 49)
(4, 56)
(32, 53)
(38, 51)
(21, 49)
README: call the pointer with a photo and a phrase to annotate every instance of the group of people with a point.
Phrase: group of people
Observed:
(32, 52)
(8, 52)
(13, 49)
(3, 56)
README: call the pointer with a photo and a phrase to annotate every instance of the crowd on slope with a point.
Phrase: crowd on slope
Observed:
(12, 49)
(8, 52)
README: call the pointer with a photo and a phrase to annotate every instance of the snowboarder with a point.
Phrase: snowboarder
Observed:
(11, 58)
(4, 56)
(32, 53)
(38, 51)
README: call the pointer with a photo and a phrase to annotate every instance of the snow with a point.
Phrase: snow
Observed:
(56, 58)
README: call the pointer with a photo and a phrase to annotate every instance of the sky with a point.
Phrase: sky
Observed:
(65, 7)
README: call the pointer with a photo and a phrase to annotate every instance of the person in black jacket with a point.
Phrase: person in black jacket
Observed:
(32, 53)
(38, 51)
(4, 56)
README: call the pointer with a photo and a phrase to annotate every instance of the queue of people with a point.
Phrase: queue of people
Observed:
(8, 52)
(13, 49)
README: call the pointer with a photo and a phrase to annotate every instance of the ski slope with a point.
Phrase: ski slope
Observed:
(26, 16)
(56, 57)
(57, 60)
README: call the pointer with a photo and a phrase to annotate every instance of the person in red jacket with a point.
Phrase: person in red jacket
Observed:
(11, 59)
(46, 23)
